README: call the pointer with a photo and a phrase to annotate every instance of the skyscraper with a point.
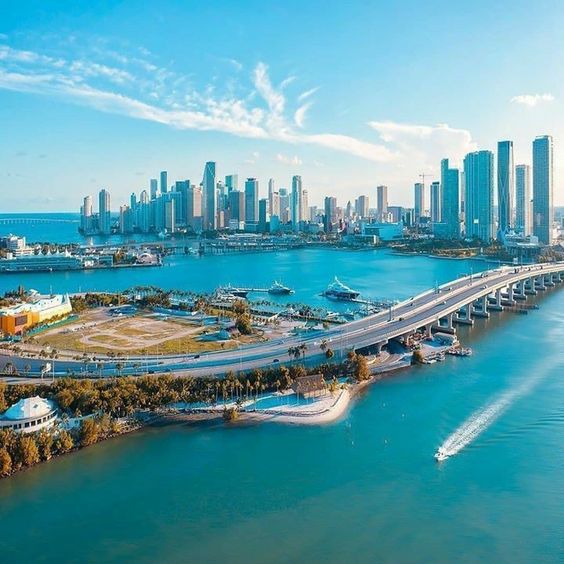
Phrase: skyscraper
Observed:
(251, 200)
(263, 214)
(419, 200)
(86, 214)
(330, 215)
(382, 202)
(362, 206)
(104, 214)
(232, 182)
(478, 172)
(436, 202)
(543, 189)
(208, 197)
(304, 206)
(296, 212)
(164, 181)
(450, 200)
(237, 205)
(505, 186)
(285, 216)
(154, 187)
(523, 199)
(143, 213)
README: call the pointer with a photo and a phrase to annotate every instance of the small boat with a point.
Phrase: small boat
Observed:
(238, 292)
(278, 289)
(338, 291)
(441, 454)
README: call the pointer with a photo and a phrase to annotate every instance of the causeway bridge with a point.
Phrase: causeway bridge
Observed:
(442, 308)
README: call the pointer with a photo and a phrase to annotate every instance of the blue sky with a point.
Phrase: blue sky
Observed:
(349, 95)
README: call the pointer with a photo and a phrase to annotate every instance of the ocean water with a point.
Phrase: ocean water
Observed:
(364, 489)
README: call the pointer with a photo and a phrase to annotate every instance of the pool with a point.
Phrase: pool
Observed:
(274, 401)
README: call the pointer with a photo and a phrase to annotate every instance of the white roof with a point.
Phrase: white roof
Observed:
(29, 408)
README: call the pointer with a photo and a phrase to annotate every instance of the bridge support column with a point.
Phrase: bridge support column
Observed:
(463, 316)
(496, 305)
(519, 291)
(539, 283)
(530, 289)
(479, 308)
(548, 280)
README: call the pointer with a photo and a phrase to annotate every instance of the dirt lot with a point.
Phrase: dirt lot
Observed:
(98, 332)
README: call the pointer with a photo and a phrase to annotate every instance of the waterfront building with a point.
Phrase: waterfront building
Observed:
(251, 200)
(237, 206)
(194, 207)
(296, 202)
(284, 205)
(505, 186)
(543, 189)
(330, 213)
(153, 188)
(523, 209)
(273, 199)
(362, 207)
(479, 171)
(450, 200)
(208, 197)
(395, 213)
(164, 182)
(382, 202)
(86, 215)
(263, 215)
(304, 206)
(419, 198)
(104, 213)
(29, 415)
(125, 220)
(143, 212)
(16, 319)
(170, 214)
(436, 202)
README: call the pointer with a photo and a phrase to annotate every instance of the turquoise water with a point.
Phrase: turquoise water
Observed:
(364, 489)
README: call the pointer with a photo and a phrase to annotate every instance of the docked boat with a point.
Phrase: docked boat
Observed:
(339, 291)
(441, 454)
(238, 292)
(278, 289)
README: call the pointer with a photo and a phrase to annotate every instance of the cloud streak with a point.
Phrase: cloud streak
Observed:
(532, 100)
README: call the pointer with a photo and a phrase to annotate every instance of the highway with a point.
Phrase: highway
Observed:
(401, 319)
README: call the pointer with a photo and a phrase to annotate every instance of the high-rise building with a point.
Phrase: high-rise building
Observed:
(208, 197)
(362, 207)
(450, 200)
(251, 200)
(419, 198)
(330, 213)
(436, 202)
(382, 202)
(104, 213)
(237, 205)
(263, 214)
(505, 186)
(86, 214)
(304, 206)
(170, 214)
(232, 182)
(479, 174)
(523, 199)
(143, 213)
(543, 189)
(395, 213)
(153, 188)
(164, 181)
(296, 212)
(284, 205)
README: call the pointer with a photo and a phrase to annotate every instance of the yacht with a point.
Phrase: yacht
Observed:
(441, 454)
(279, 289)
(338, 291)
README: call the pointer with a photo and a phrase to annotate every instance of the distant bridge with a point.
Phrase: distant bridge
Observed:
(34, 220)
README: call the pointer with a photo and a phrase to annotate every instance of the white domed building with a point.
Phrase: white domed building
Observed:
(29, 415)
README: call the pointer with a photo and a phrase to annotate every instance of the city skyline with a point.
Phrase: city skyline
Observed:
(257, 106)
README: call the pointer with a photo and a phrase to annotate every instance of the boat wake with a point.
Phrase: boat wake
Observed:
(481, 419)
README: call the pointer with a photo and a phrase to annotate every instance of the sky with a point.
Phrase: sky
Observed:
(349, 95)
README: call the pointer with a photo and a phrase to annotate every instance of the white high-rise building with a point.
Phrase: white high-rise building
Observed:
(296, 212)
(523, 199)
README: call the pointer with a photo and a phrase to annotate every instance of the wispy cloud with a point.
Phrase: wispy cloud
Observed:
(532, 100)
(304, 95)
(293, 161)
(133, 86)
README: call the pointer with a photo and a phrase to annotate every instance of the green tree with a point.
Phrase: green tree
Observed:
(26, 451)
(44, 442)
